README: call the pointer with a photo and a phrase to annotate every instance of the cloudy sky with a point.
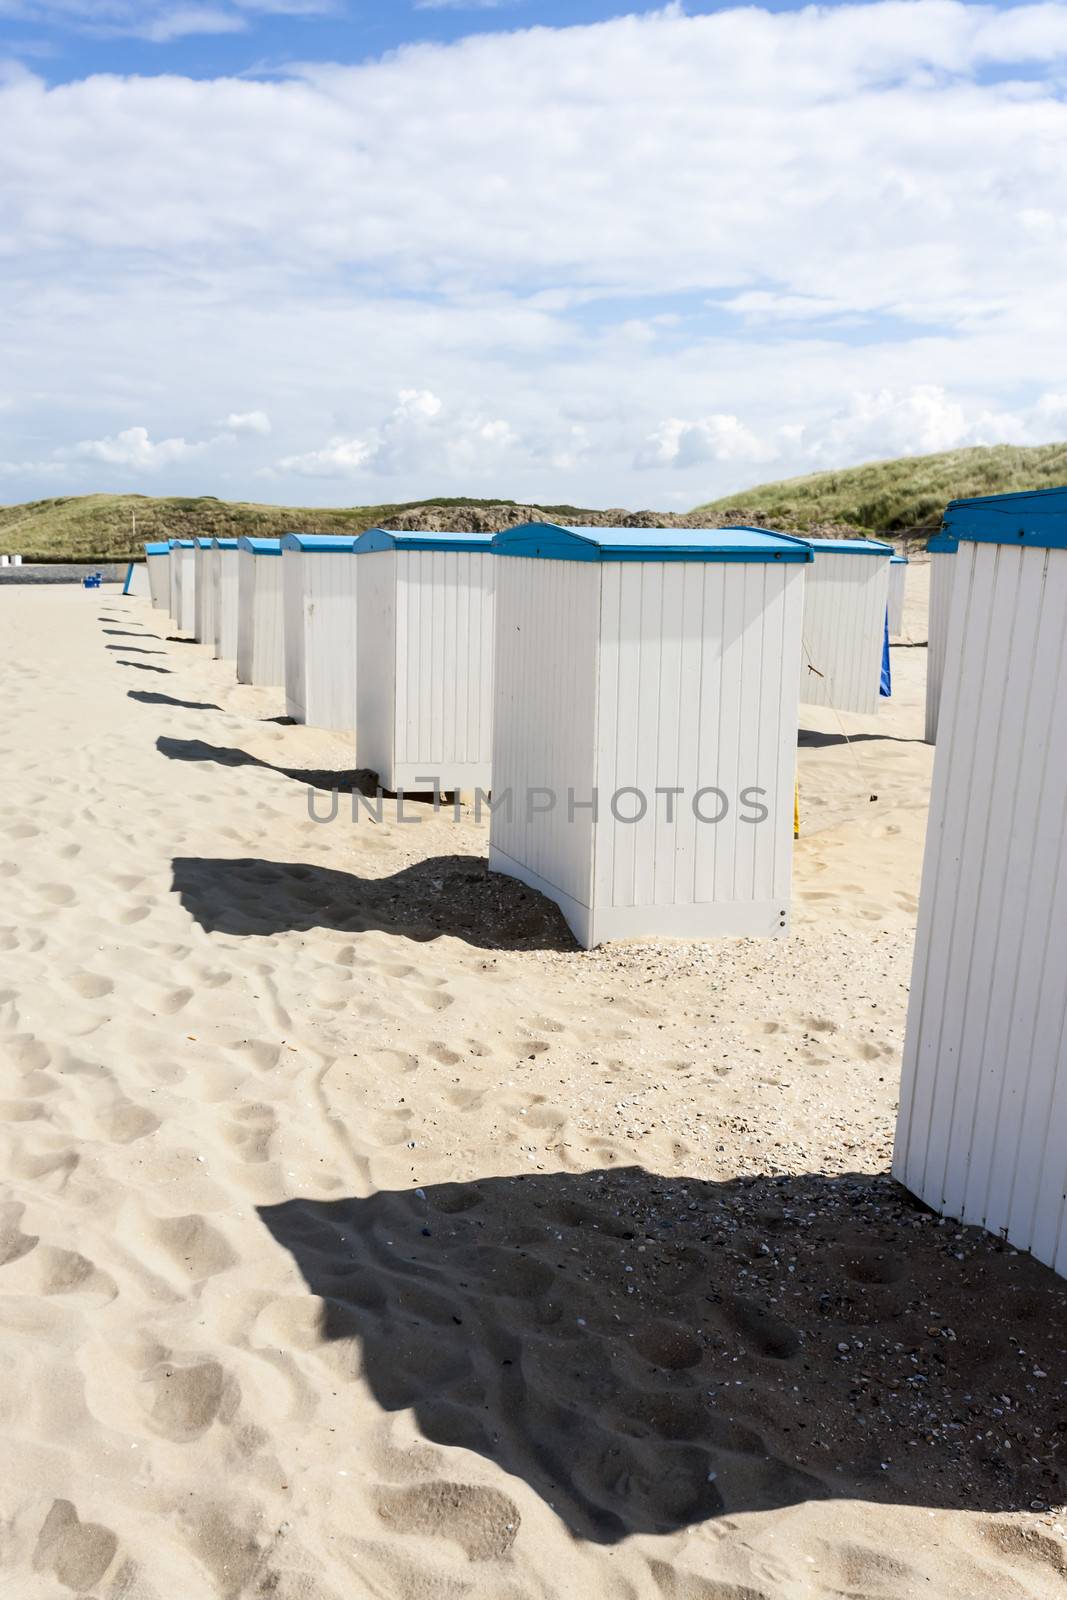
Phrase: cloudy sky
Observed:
(335, 251)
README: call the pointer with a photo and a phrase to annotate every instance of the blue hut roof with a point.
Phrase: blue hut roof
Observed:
(320, 543)
(260, 547)
(943, 544)
(898, 561)
(224, 544)
(1037, 517)
(160, 548)
(553, 541)
(851, 547)
(424, 539)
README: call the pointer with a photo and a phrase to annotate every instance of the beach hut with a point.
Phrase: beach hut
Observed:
(645, 725)
(204, 603)
(260, 637)
(898, 574)
(136, 580)
(319, 601)
(183, 584)
(225, 581)
(157, 560)
(845, 598)
(424, 648)
(982, 1126)
(942, 551)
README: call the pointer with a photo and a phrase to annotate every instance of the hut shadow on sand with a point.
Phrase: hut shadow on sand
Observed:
(147, 697)
(444, 895)
(345, 780)
(648, 1352)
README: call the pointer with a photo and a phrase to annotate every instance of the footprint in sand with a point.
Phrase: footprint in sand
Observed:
(69, 1273)
(251, 1131)
(59, 894)
(14, 1244)
(185, 1399)
(263, 1055)
(90, 985)
(77, 1553)
(482, 1521)
(127, 1122)
(194, 1245)
(134, 914)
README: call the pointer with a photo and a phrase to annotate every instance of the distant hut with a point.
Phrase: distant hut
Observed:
(424, 674)
(319, 602)
(260, 636)
(225, 607)
(845, 598)
(157, 561)
(898, 577)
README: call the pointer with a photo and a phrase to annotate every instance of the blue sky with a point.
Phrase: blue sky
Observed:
(69, 39)
(637, 257)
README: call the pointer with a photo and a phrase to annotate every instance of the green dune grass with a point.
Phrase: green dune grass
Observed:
(903, 496)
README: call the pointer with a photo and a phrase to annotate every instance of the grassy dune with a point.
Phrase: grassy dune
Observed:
(100, 527)
(903, 496)
(884, 497)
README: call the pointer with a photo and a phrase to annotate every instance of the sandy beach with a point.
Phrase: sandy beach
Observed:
(360, 1237)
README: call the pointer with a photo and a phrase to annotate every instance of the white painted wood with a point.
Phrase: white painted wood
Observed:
(158, 565)
(225, 579)
(137, 583)
(260, 625)
(184, 614)
(942, 568)
(319, 602)
(898, 578)
(206, 588)
(845, 600)
(424, 680)
(648, 675)
(982, 1127)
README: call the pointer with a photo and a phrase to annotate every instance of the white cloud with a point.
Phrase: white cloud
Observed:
(720, 437)
(256, 422)
(418, 431)
(133, 448)
(816, 235)
(338, 458)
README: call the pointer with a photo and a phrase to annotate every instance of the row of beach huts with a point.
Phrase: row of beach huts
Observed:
(626, 698)
(630, 698)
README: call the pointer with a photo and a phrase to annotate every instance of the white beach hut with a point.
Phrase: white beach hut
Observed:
(157, 560)
(183, 584)
(260, 635)
(942, 551)
(898, 576)
(424, 649)
(204, 603)
(982, 1127)
(845, 598)
(319, 601)
(136, 581)
(225, 607)
(645, 725)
